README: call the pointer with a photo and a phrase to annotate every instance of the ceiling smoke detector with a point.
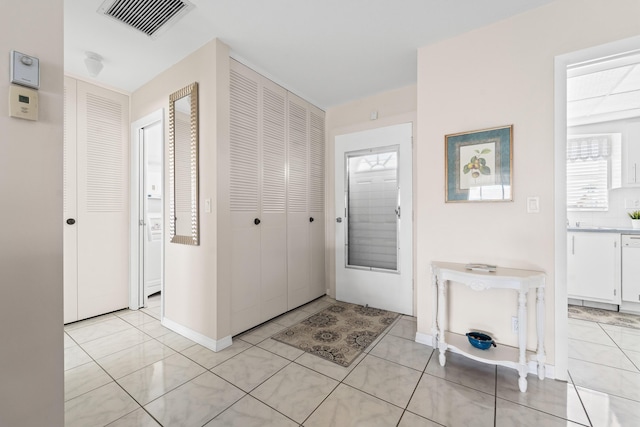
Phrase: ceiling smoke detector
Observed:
(152, 17)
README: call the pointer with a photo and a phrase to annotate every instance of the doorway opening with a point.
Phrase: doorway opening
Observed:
(569, 66)
(147, 213)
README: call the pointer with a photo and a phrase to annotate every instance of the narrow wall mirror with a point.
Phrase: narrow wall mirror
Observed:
(183, 166)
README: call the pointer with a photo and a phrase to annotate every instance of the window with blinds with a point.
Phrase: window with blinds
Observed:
(372, 200)
(593, 168)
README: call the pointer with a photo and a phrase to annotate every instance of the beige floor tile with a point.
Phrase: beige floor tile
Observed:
(326, 367)
(410, 419)
(464, 371)
(98, 407)
(114, 343)
(131, 359)
(601, 354)
(97, 330)
(609, 411)
(403, 351)
(385, 380)
(84, 378)
(249, 412)
(605, 379)
(510, 414)
(295, 391)
(250, 368)
(75, 356)
(557, 398)
(281, 349)
(195, 403)
(209, 359)
(137, 418)
(442, 401)
(159, 378)
(347, 406)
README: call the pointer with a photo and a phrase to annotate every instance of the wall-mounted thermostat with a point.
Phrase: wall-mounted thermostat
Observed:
(25, 70)
(23, 102)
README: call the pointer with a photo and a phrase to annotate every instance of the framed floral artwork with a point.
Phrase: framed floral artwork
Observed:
(479, 165)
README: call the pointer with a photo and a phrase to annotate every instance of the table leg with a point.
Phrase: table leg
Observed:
(434, 308)
(522, 339)
(442, 306)
(541, 356)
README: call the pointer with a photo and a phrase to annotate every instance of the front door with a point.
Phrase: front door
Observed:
(374, 218)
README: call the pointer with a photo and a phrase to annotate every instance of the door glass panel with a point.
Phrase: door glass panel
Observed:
(372, 209)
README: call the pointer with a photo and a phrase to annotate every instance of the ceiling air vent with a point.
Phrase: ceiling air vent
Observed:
(152, 17)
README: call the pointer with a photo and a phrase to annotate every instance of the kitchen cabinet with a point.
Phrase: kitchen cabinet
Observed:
(632, 156)
(631, 268)
(593, 267)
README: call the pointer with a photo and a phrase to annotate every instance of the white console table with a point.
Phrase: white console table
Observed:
(503, 278)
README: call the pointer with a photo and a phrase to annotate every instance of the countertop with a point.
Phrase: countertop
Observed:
(592, 229)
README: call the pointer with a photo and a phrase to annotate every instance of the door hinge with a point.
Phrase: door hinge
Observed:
(615, 292)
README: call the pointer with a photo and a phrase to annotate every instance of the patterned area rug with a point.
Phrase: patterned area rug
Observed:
(604, 316)
(338, 333)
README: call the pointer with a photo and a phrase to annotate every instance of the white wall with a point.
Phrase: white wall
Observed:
(499, 75)
(195, 291)
(393, 107)
(31, 358)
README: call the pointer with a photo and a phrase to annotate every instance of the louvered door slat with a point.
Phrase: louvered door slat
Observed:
(298, 135)
(244, 143)
(273, 151)
(316, 160)
(105, 183)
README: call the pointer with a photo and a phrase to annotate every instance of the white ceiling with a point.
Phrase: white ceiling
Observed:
(328, 52)
(604, 90)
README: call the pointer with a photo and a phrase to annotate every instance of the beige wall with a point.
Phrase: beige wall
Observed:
(194, 297)
(499, 75)
(393, 107)
(31, 358)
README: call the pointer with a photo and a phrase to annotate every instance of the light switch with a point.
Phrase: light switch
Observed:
(207, 205)
(533, 204)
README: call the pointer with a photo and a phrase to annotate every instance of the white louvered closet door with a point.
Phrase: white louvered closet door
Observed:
(317, 286)
(258, 199)
(244, 201)
(102, 196)
(273, 190)
(298, 218)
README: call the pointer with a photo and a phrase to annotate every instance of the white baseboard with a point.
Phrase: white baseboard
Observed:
(427, 339)
(211, 344)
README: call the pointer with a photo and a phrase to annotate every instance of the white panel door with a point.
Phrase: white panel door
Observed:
(103, 194)
(70, 231)
(373, 193)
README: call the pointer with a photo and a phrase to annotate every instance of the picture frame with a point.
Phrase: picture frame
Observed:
(479, 165)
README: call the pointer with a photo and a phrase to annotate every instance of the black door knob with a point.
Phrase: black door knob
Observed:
(311, 219)
(71, 221)
(256, 221)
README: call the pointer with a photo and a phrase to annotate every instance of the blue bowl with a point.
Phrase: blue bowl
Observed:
(480, 340)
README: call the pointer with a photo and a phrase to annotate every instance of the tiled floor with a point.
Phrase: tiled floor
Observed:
(125, 369)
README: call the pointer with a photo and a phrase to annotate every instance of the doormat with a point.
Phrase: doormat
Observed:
(339, 333)
(604, 316)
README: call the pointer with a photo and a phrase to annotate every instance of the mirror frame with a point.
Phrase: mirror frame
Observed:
(194, 238)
